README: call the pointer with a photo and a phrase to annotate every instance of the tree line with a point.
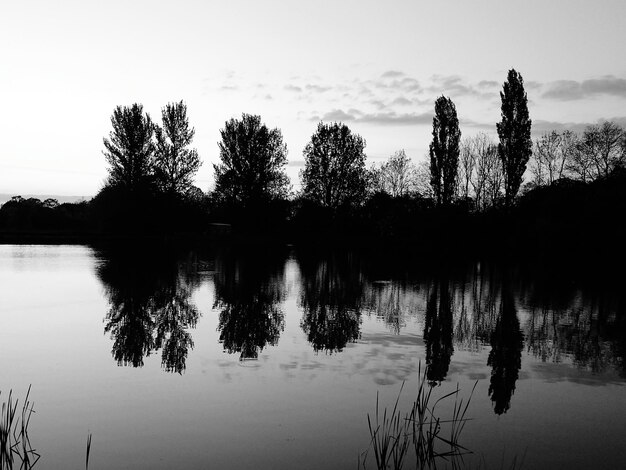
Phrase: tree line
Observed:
(253, 157)
(151, 169)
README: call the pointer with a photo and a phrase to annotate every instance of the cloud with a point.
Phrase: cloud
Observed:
(392, 74)
(317, 88)
(608, 85)
(569, 90)
(297, 89)
(456, 86)
(398, 118)
(402, 101)
(487, 84)
(491, 126)
(386, 118)
(540, 126)
(564, 90)
(335, 115)
(378, 104)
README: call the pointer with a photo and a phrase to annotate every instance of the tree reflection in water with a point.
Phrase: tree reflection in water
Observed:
(331, 294)
(505, 357)
(438, 331)
(149, 295)
(249, 287)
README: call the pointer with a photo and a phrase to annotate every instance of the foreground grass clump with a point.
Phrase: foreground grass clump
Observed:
(15, 447)
(418, 436)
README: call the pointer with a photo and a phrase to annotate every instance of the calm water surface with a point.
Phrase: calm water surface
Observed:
(248, 359)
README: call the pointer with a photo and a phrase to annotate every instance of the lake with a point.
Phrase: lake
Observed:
(245, 358)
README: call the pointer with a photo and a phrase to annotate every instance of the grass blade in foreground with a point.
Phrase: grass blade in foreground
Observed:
(15, 445)
(392, 434)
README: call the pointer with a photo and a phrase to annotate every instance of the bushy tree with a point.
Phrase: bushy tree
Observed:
(175, 164)
(515, 145)
(253, 159)
(130, 148)
(444, 151)
(334, 174)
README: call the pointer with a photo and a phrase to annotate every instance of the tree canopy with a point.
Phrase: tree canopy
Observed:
(175, 163)
(130, 148)
(334, 174)
(253, 159)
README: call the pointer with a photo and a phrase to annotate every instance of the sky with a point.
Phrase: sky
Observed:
(376, 66)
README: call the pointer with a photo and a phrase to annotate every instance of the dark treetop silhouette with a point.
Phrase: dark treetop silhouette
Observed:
(334, 174)
(444, 151)
(175, 165)
(130, 148)
(253, 159)
(515, 145)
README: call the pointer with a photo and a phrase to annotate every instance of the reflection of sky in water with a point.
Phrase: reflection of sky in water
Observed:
(292, 404)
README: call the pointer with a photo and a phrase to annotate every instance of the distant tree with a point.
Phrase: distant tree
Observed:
(253, 159)
(467, 165)
(602, 146)
(444, 151)
(515, 145)
(130, 148)
(422, 180)
(548, 163)
(334, 174)
(487, 176)
(175, 164)
(579, 163)
(396, 176)
(51, 203)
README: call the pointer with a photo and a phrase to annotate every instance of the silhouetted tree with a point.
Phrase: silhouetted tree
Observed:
(602, 146)
(130, 148)
(444, 151)
(175, 164)
(438, 332)
(334, 174)
(467, 165)
(422, 179)
(579, 160)
(515, 145)
(505, 357)
(480, 163)
(550, 158)
(253, 159)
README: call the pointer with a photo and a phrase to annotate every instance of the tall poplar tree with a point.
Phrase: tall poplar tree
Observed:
(444, 151)
(515, 145)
